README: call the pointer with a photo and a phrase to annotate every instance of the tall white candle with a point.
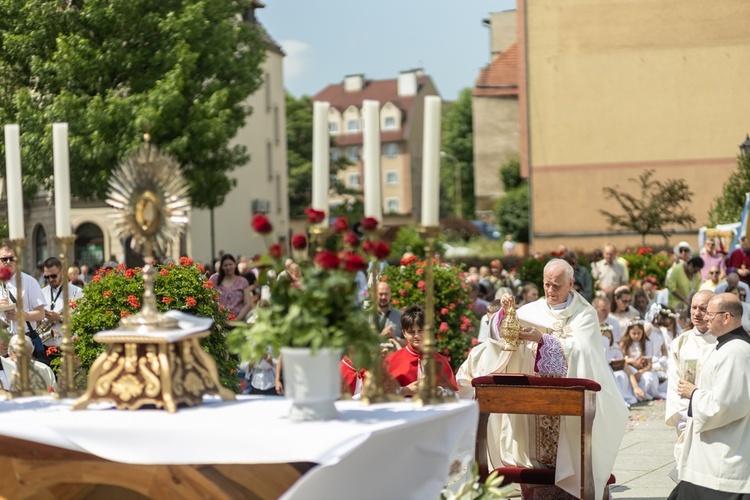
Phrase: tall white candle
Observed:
(14, 184)
(62, 179)
(431, 162)
(320, 158)
(371, 156)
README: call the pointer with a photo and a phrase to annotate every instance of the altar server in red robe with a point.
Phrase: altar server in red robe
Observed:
(405, 365)
(352, 378)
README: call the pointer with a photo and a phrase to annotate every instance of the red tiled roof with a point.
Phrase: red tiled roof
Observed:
(378, 90)
(501, 76)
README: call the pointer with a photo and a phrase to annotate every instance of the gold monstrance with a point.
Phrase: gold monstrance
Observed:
(152, 358)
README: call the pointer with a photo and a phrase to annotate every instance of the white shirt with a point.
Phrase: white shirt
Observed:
(32, 297)
(54, 302)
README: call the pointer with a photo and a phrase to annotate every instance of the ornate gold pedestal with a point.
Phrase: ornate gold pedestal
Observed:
(147, 368)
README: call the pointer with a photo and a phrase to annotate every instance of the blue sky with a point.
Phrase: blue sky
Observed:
(325, 40)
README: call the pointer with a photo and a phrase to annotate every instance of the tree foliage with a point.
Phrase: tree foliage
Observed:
(512, 209)
(299, 130)
(180, 69)
(458, 144)
(659, 205)
(727, 208)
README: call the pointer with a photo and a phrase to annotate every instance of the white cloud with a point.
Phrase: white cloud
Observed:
(298, 60)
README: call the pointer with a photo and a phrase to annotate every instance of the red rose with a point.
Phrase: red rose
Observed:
(129, 273)
(351, 239)
(340, 225)
(474, 341)
(444, 311)
(261, 224)
(443, 327)
(421, 285)
(186, 261)
(354, 262)
(369, 224)
(299, 241)
(314, 216)
(191, 302)
(381, 250)
(5, 274)
(420, 271)
(368, 247)
(408, 260)
(327, 260)
(403, 292)
(275, 251)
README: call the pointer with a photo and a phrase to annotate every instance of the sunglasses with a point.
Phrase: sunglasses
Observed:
(5, 260)
(50, 276)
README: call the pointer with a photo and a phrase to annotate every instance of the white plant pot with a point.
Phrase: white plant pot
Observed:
(312, 382)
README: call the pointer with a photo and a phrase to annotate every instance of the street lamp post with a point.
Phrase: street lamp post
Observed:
(459, 207)
(744, 147)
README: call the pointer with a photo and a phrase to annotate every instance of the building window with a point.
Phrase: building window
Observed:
(390, 150)
(391, 205)
(40, 244)
(391, 177)
(276, 124)
(267, 83)
(269, 160)
(352, 126)
(335, 154)
(352, 153)
(278, 193)
(333, 128)
(390, 123)
(353, 180)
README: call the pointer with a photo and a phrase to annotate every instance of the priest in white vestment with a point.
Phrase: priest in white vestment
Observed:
(561, 337)
(714, 462)
(688, 354)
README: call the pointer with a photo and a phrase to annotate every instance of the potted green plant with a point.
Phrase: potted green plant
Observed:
(313, 319)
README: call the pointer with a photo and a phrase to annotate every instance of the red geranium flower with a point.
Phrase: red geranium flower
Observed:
(124, 314)
(107, 293)
(369, 224)
(166, 300)
(351, 239)
(134, 302)
(121, 266)
(186, 261)
(340, 225)
(275, 251)
(208, 284)
(129, 273)
(191, 302)
(163, 272)
(314, 216)
(96, 277)
(327, 260)
(261, 224)
(299, 241)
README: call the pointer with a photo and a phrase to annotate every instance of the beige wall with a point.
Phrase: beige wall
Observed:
(502, 31)
(266, 125)
(496, 136)
(617, 87)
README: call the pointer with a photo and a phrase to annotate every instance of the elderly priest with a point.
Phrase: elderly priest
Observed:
(560, 338)
(714, 462)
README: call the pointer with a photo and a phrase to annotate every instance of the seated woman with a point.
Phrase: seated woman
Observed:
(638, 352)
(621, 372)
(405, 365)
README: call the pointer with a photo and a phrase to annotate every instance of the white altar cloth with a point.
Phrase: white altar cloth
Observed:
(391, 450)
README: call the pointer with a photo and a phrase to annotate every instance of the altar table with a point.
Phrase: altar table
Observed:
(242, 449)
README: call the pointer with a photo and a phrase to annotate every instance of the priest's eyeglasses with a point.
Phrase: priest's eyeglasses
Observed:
(710, 315)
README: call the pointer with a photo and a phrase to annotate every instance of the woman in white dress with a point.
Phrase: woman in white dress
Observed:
(620, 371)
(621, 309)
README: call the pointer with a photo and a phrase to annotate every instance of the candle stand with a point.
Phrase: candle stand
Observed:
(66, 387)
(428, 391)
(24, 382)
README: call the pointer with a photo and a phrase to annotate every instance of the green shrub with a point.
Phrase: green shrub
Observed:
(455, 322)
(115, 294)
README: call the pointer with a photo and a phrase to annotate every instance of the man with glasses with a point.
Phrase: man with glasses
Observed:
(713, 279)
(689, 353)
(53, 296)
(32, 302)
(714, 463)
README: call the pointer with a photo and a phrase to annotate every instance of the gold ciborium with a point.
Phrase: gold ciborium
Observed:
(510, 328)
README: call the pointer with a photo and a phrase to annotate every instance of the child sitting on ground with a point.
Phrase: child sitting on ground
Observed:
(405, 365)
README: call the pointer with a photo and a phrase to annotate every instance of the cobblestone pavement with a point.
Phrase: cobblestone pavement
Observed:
(646, 455)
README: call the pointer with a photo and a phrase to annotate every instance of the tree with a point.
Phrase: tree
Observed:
(512, 209)
(180, 69)
(458, 161)
(727, 208)
(659, 205)
(299, 130)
